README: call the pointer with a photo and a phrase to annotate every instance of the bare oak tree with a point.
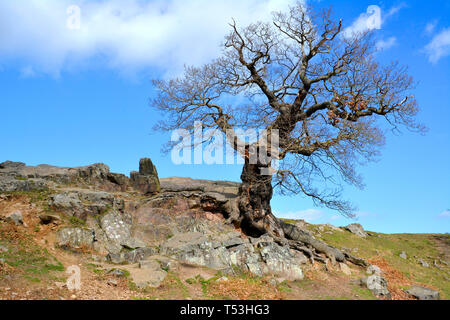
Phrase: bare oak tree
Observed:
(321, 88)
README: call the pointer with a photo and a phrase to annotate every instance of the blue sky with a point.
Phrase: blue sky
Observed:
(72, 97)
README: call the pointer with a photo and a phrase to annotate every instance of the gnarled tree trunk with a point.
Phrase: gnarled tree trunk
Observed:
(256, 217)
(255, 194)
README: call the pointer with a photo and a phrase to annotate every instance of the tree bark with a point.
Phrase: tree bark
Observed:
(255, 194)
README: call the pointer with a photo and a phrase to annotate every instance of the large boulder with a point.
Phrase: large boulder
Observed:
(357, 229)
(75, 238)
(378, 285)
(117, 229)
(15, 217)
(422, 293)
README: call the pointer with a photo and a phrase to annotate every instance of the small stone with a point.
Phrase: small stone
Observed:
(424, 263)
(436, 265)
(223, 279)
(113, 283)
(403, 255)
(3, 249)
(117, 273)
(73, 296)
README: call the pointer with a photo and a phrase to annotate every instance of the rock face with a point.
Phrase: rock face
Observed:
(357, 229)
(422, 293)
(223, 252)
(146, 180)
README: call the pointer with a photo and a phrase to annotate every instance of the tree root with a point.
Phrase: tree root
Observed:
(298, 235)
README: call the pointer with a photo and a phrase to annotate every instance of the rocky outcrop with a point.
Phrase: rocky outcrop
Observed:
(226, 251)
(17, 176)
(146, 180)
(357, 229)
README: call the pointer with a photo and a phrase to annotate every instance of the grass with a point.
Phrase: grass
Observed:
(77, 222)
(26, 258)
(389, 247)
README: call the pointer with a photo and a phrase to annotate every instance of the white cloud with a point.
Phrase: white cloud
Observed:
(395, 9)
(445, 214)
(386, 44)
(307, 215)
(129, 35)
(439, 46)
(430, 27)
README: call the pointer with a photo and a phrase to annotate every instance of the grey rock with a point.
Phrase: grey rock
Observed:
(117, 273)
(84, 203)
(144, 184)
(357, 229)
(152, 278)
(47, 218)
(436, 265)
(175, 184)
(11, 164)
(146, 180)
(227, 250)
(117, 230)
(11, 184)
(147, 168)
(74, 237)
(222, 279)
(424, 263)
(378, 285)
(149, 264)
(133, 256)
(112, 282)
(3, 249)
(15, 217)
(119, 179)
(422, 293)
(66, 202)
(403, 255)
(373, 270)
